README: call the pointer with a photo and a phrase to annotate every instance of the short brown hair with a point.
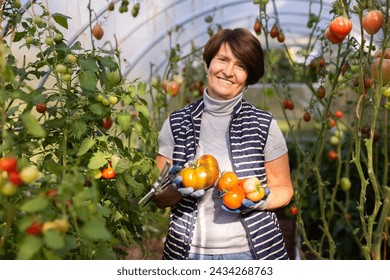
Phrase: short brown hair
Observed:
(244, 45)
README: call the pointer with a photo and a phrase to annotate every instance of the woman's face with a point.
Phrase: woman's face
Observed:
(226, 75)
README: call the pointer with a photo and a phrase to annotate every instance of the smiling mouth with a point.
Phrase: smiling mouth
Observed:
(225, 80)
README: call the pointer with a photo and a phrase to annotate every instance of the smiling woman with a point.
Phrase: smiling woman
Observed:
(243, 139)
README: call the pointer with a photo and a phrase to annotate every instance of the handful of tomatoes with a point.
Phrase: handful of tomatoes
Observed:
(234, 191)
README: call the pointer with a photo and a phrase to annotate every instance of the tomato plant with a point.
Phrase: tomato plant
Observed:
(202, 173)
(52, 205)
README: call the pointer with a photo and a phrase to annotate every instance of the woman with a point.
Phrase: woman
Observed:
(243, 139)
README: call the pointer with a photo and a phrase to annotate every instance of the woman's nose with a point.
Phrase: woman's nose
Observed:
(229, 69)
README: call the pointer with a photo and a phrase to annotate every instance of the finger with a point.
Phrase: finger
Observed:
(185, 191)
(177, 181)
(247, 203)
(175, 169)
(198, 193)
(230, 210)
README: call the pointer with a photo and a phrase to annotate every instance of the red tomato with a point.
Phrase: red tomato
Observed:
(107, 123)
(52, 193)
(332, 37)
(307, 116)
(340, 26)
(201, 174)
(108, 173)
(338, 114)
(321, 92)
(372, 21)
(293, 210)
(41, 108)
(15, 179)
(228, 180)
(253, 189)
(385, 70)
(8, 164)
(288, 104)
(173, 88)
(35, 228)
(233, 198)
(274, 31)
(257, 26)
(97, 31)
(332, 155)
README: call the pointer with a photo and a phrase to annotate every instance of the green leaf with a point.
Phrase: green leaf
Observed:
(124, 121)
(132, 91)
(88, 80)
(61, 20)
(35, 204)
(97, 161)
(32, 125)
(104, 252)
(29, 246)
(122, 165)
(142, 109)
(88, 65)
(78, 128)
(141, 89)
(97, 109)
(86, 144)
(96, 230)
(54, 239)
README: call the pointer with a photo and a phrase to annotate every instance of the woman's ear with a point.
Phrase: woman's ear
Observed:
(206, 69)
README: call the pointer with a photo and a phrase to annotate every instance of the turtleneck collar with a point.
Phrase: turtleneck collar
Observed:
(218, 107)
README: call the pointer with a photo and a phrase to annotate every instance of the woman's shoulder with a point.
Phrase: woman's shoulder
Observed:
(251, 108)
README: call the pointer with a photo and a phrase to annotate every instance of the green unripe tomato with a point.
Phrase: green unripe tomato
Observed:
(8, 189)
(71, 58)
(386, 92)
(58, 38)
(334, 140)
(99, 97)
(113, 99)
(49, 41)
(29, 40)
(105, 102)
(66, 77)
(345, 183)
(60, 68)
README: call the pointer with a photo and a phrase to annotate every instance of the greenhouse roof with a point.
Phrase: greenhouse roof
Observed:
(147, 38)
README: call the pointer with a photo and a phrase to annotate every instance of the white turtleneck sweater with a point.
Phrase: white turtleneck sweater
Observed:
(218, 231)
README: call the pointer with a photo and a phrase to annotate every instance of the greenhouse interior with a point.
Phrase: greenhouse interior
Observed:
(87, 85)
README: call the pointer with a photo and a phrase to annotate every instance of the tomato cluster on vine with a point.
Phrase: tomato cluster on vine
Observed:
(12, 175)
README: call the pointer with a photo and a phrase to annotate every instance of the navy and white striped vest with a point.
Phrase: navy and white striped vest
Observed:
(248, 134)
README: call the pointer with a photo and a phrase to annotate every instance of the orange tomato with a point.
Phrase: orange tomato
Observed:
(201, 174)
(108, 173)
(233, 198)
(228, 180)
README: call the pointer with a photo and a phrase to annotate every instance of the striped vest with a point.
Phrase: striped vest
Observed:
(248, 134)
